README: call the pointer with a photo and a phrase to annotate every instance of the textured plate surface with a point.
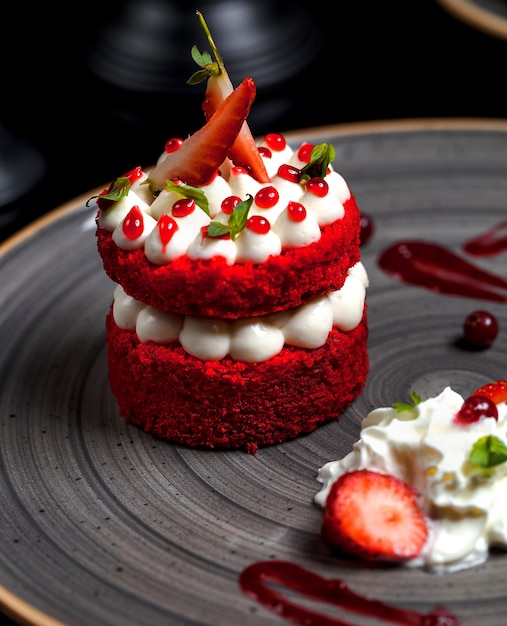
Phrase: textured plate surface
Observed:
(103, 524)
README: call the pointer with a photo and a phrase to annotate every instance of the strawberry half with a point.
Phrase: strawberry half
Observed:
(374, 516)
(496, 391)
(244, 150)
(200, 155)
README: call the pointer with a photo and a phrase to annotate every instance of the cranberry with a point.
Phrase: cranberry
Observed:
(366, 228)
(474, 408)
(480, 329)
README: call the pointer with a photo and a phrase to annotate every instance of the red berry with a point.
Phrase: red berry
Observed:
(173, 145)
(374, 516)
(366, 228)
(318, 186)
(183, 207)
(474, 408)
(258, 224)
(166, 228)
(495, 391)
(480, 329)
(296, 211)
(275, 141)
(265, 152)
(228, 204)
(305, 152)
(267, 197)
(289, 172)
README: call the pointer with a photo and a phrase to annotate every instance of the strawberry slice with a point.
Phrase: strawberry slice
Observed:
(244, 151)
(496, 391)
(374, 516)
(200, 155)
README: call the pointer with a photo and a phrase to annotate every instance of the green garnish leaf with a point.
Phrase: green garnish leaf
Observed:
(404, 406)
(192, 193)
(207, 65)
(118, 189)
(235, 223)
(488, 451)
(322, 155)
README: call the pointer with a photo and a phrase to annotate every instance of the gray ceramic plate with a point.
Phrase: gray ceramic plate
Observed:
(490, 16)
(103, 524)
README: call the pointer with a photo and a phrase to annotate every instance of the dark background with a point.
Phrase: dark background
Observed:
(91, 90)
(96, 88)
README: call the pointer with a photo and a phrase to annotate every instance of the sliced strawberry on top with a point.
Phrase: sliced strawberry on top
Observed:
(374, 516)
(244, 151)
(200, 155)
(495, 391)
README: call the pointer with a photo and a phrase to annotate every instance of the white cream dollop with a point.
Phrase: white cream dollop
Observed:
(426, 448)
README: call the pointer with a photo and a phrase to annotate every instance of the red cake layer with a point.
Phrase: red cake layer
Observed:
(230, 404)
(210, 287)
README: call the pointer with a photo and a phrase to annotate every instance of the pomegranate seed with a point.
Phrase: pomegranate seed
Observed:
(305, 152)
(267, 197)
(265, 152)
(480, 329)
(474, 408)
(173, 145)
(228, 204)
(166, 228)
(366, 228)
(275, 141)
(183, 207)
(258, 224)
(296, 211)
(289, 172)
(318, 186)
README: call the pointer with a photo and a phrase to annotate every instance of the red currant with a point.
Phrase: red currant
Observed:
(366, 229)
(318, 186)
(229, 204)
(480, 329)
(474, 408)
(296, 211)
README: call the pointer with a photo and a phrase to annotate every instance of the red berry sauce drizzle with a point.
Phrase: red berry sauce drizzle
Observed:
(254, 583)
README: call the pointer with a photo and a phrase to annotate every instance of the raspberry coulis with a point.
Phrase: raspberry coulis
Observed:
(254, 581)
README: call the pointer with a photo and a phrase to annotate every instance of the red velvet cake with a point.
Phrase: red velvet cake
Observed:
(239, 315)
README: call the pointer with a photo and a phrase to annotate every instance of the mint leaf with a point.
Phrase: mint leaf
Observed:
(322, 155)
(488, 451)
(118, 189)
(236, 222)
(403, 406)
(192, 193)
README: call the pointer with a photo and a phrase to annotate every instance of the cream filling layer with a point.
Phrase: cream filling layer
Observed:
(252, 339)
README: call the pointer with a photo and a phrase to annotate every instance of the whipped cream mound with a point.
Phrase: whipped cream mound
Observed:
(154, 216)
(424, 446)
(248, 339)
